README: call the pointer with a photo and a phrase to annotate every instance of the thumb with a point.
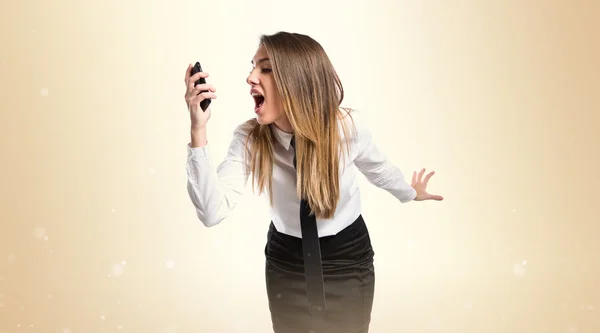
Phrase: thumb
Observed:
(436, 197)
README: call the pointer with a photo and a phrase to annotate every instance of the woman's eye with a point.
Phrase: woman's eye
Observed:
(262, 70)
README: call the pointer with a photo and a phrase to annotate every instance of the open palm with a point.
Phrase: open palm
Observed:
(420, 185)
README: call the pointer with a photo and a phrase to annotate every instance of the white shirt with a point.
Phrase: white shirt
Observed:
(215, 192)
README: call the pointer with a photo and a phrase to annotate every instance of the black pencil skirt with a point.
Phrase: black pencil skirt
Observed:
(349, 278)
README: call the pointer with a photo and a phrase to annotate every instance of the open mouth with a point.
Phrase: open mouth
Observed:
(259, 100)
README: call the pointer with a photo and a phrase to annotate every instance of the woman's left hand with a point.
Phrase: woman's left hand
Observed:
(420, 185)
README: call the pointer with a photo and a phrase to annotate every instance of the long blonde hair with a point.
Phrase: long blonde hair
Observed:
(312, 93)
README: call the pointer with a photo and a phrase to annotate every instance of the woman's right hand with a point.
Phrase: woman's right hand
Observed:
(196, 94)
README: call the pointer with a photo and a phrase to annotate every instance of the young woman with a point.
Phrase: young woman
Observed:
(303, 151)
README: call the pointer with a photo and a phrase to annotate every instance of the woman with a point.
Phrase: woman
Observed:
(303, 151)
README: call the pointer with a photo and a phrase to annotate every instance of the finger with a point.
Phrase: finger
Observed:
(427, 177)
(196, 96)
(204, 87)
(191, 82)
(436, 197)
(197, 76)
(200, 97)
(208, 95)
(421, 174)
(188, 72)
(190, 86)
(414, 177)
(199, 89)
(203, 96)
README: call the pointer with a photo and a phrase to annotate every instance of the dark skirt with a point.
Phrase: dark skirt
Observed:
(349, 278)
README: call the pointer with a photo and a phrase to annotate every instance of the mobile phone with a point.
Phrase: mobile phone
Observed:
(197, 68)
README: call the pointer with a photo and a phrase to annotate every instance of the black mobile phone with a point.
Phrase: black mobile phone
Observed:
(197, 68)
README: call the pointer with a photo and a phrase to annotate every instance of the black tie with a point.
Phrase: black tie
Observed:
(313, 271)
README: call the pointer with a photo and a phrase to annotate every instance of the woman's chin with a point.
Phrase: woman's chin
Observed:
(263, 120)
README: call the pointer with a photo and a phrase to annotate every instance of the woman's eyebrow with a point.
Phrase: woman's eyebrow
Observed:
(259, 61)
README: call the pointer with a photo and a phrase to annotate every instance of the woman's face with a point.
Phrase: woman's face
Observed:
(268, 106)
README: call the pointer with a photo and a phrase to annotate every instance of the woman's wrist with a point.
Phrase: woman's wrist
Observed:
(198, 136)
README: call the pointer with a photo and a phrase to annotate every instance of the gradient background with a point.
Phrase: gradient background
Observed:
(500, 98)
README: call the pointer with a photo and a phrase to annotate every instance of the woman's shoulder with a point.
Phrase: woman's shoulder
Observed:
(244, 128)
(353, 123)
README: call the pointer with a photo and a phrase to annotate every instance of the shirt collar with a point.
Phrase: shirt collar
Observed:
(283, 137)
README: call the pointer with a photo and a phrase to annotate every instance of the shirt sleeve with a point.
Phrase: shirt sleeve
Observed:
(215, 192)
(373, 163)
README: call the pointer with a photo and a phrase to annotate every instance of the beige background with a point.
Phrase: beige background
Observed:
(500, 98)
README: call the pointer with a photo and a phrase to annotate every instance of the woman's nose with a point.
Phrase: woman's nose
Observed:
(252, 79)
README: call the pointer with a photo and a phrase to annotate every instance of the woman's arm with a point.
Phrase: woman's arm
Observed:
(215, 192)
(377, 169)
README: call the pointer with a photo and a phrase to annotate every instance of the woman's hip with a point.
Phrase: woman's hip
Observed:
(346, 253)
